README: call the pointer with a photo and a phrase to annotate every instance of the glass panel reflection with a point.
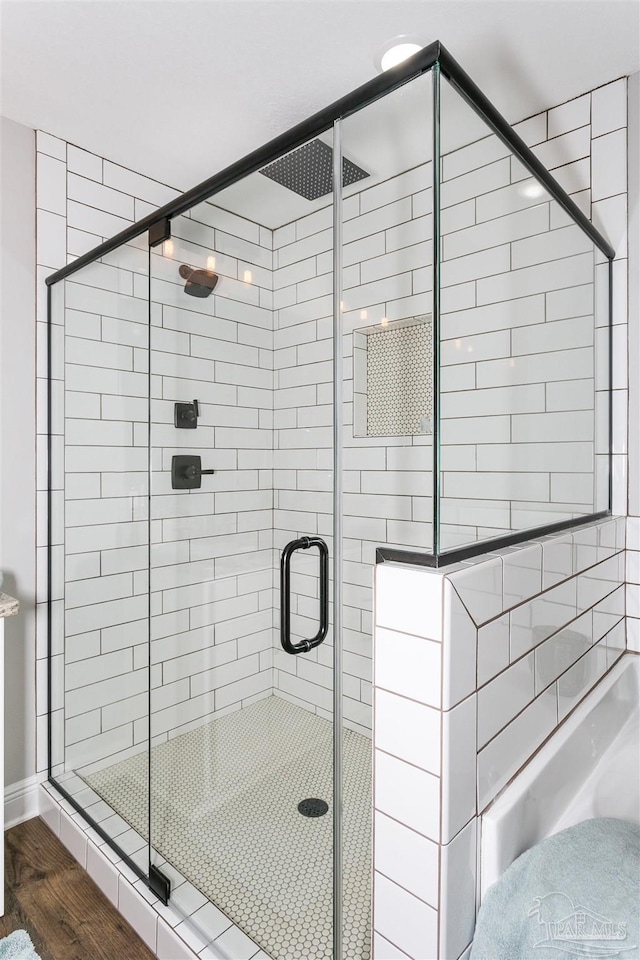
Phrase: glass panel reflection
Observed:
(524, 372)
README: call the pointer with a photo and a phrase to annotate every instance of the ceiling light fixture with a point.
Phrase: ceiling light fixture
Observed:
(397, 51)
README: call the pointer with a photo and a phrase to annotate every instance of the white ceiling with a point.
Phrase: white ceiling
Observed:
(178, 89)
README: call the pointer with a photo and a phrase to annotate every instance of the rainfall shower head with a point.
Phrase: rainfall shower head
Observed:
(308, 171)
(200, 282)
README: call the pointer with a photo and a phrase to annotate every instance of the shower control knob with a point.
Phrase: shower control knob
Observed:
(186, 472)
(185, 415)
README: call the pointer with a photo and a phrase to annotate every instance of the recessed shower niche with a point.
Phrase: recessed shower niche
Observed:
(393, 378)
(392, 367)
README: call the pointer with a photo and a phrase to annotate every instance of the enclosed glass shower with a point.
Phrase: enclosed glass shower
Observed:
(383, 336)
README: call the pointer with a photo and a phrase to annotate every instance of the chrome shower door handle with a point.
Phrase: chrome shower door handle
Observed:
(303, 646)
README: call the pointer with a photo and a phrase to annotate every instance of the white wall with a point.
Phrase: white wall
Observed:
(17, 440)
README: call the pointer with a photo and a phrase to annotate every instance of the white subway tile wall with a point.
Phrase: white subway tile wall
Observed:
(633, 584)
(99, 347)
(204, 655)
(525, 341)
(387, 480)
(212, 559)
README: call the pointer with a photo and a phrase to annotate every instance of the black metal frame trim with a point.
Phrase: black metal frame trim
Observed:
(610, 391)
(322, 121)
(435, 320)
(469, 91)
(167, 227)
(159, 232)
(159, 883)
(388, 554)
(49, 532)
(311, 127)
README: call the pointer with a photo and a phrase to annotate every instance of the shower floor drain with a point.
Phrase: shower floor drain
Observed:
(312, 807)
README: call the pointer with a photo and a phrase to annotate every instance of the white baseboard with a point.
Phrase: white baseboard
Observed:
(21, 801)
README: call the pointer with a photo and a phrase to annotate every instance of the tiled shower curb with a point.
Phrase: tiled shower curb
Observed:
(169, 934)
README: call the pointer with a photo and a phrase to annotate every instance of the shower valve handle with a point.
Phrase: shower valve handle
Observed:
(193, 471)
(186, 472)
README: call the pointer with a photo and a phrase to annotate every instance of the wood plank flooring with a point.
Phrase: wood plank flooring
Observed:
(50, 896)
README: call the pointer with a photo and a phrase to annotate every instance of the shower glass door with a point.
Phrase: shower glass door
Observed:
(246, 415)
(241, 734)
(292, 415)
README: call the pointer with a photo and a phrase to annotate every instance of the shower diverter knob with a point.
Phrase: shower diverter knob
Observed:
(185, 415)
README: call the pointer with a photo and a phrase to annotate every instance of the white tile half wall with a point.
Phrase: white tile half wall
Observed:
(475, 666)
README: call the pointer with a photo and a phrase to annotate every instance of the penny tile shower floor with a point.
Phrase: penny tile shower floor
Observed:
(225, 814)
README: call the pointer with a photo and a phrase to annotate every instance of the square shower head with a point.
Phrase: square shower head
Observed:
(308, 171)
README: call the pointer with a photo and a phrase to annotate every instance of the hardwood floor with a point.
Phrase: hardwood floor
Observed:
(50, 896)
